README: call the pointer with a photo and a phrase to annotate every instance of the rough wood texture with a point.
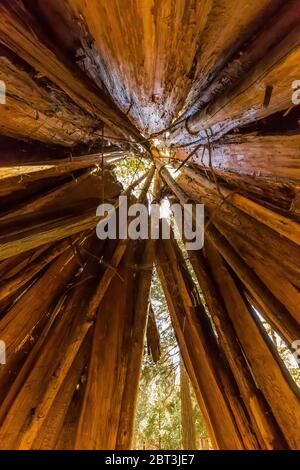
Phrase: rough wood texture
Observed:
(35, 48)
(37, 110)
(20, 176)
(245, 103)
(274, 380)
(49, 434)
(272, 156)
(277, 222)
(15, 282)
(136, 347)
(221, 212)
(266, 428)
(199, 349)
(107, 369)
(89, 82)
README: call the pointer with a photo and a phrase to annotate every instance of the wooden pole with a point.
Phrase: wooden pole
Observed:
(274, 380)
(283, 225)
(264, 242)
(50, 367)
(100, 414)
(262, 279)
(266, 428)
(214, 389)
(53, 230)
(136, 349)
(48, 435)
(13, 283)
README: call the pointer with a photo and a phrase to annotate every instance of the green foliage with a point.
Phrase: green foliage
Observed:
(130, 169)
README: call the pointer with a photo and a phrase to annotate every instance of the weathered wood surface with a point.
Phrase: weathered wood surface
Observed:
(245, 103)
(143, 70)
(257, 48)
(281, 224)
(188, 429)
(85, 82)
(199, 349)
(136, 346)
(262, 237)
(272, 277)
(107, 368)
(159, 69)
(77, 193)
(48, 436)
(45, 370)
(270, 373)
(20, 176)
(264, 424)
(62, 225)
(21, 32)
(16, 326)
(41, 111)
(262, 167)
(273, 157)
(15, 282)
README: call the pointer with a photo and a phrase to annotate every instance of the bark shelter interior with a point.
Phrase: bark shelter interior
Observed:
(204, 84)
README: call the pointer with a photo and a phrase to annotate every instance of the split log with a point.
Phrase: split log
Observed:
(17, 326)
(254, 165)
(76, 336)
(136, 349)
(9, 286)
(51, 367)
(76, 193)
(245, 103)
(269, 371)
(271, 193)
(22, 332)
(283, 321)
(50, 432)
(266, 428)
(214, 388)
(264, 239)
(119, 252)
(100, 413)
(268, 273)
(257, 48)
(67, 436)
(28, 363)
(53, 230)
(17, 177)
(124, 63)
(19, 427)
(31, 111)
(34, 46)
(166, 176)
(47, 232)
(126, 330)
(280, 224)
(239, 22)
(268, 157)
(10, 267)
